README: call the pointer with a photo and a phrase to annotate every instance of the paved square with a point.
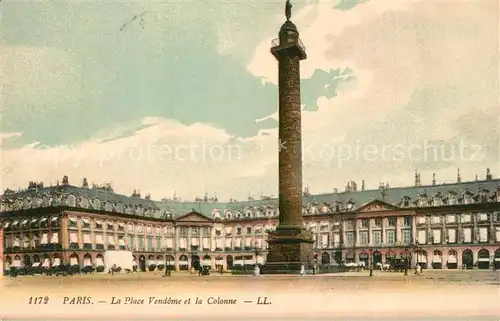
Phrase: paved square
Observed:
(457, 294)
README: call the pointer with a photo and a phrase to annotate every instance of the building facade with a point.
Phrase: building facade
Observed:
(437, 226)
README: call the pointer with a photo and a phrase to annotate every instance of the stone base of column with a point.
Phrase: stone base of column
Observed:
(290, 248)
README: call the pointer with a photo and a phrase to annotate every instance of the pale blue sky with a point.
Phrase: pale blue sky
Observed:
(379, 73)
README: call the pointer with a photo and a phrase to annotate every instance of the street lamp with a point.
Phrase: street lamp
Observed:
(256, 251)
(167, 262)
(406, 262)
(370, 262)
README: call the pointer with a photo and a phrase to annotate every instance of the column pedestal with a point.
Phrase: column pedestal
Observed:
(289, 249)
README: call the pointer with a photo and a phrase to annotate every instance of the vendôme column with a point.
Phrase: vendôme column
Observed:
(290, 246)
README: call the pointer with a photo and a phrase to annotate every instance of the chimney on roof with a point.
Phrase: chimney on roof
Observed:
(417, 178)
(489, 177)
(459, 177)
(335, 190)
(363, 185)
(477, 178)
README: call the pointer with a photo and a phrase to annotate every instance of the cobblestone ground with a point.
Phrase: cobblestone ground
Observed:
(434, 294)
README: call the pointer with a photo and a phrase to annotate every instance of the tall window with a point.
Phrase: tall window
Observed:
(140, 242)
(377, 237)
(378, 222)
(131, 242)
(364, 223)
(363, 238)
(391, 221)
(391, 237)
(407, 221)
(350, 238)
(406, 236)
(150, 243)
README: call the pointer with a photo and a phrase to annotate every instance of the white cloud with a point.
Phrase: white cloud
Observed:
(397, 50)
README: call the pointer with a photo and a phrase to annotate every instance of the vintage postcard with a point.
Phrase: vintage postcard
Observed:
(250, 160)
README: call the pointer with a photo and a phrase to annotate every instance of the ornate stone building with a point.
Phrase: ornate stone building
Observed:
(438, 226)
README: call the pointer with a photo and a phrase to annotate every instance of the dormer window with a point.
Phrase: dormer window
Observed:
(452, 198)
(436, 201)
(468, 198)
(238, 231)
(349, 205)
(406, 201)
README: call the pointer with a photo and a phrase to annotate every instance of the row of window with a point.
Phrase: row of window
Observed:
(455, 218)
(31, 223)
(378, 222)
(87, 223)
(451, 236)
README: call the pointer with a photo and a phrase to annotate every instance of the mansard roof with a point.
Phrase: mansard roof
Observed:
(101, 194)
(160, 209)
(392, 196)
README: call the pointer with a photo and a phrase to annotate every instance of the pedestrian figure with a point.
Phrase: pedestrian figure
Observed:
(302, 270)
(256, 270)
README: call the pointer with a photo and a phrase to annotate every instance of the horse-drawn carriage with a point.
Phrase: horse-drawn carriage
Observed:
(398, 265)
